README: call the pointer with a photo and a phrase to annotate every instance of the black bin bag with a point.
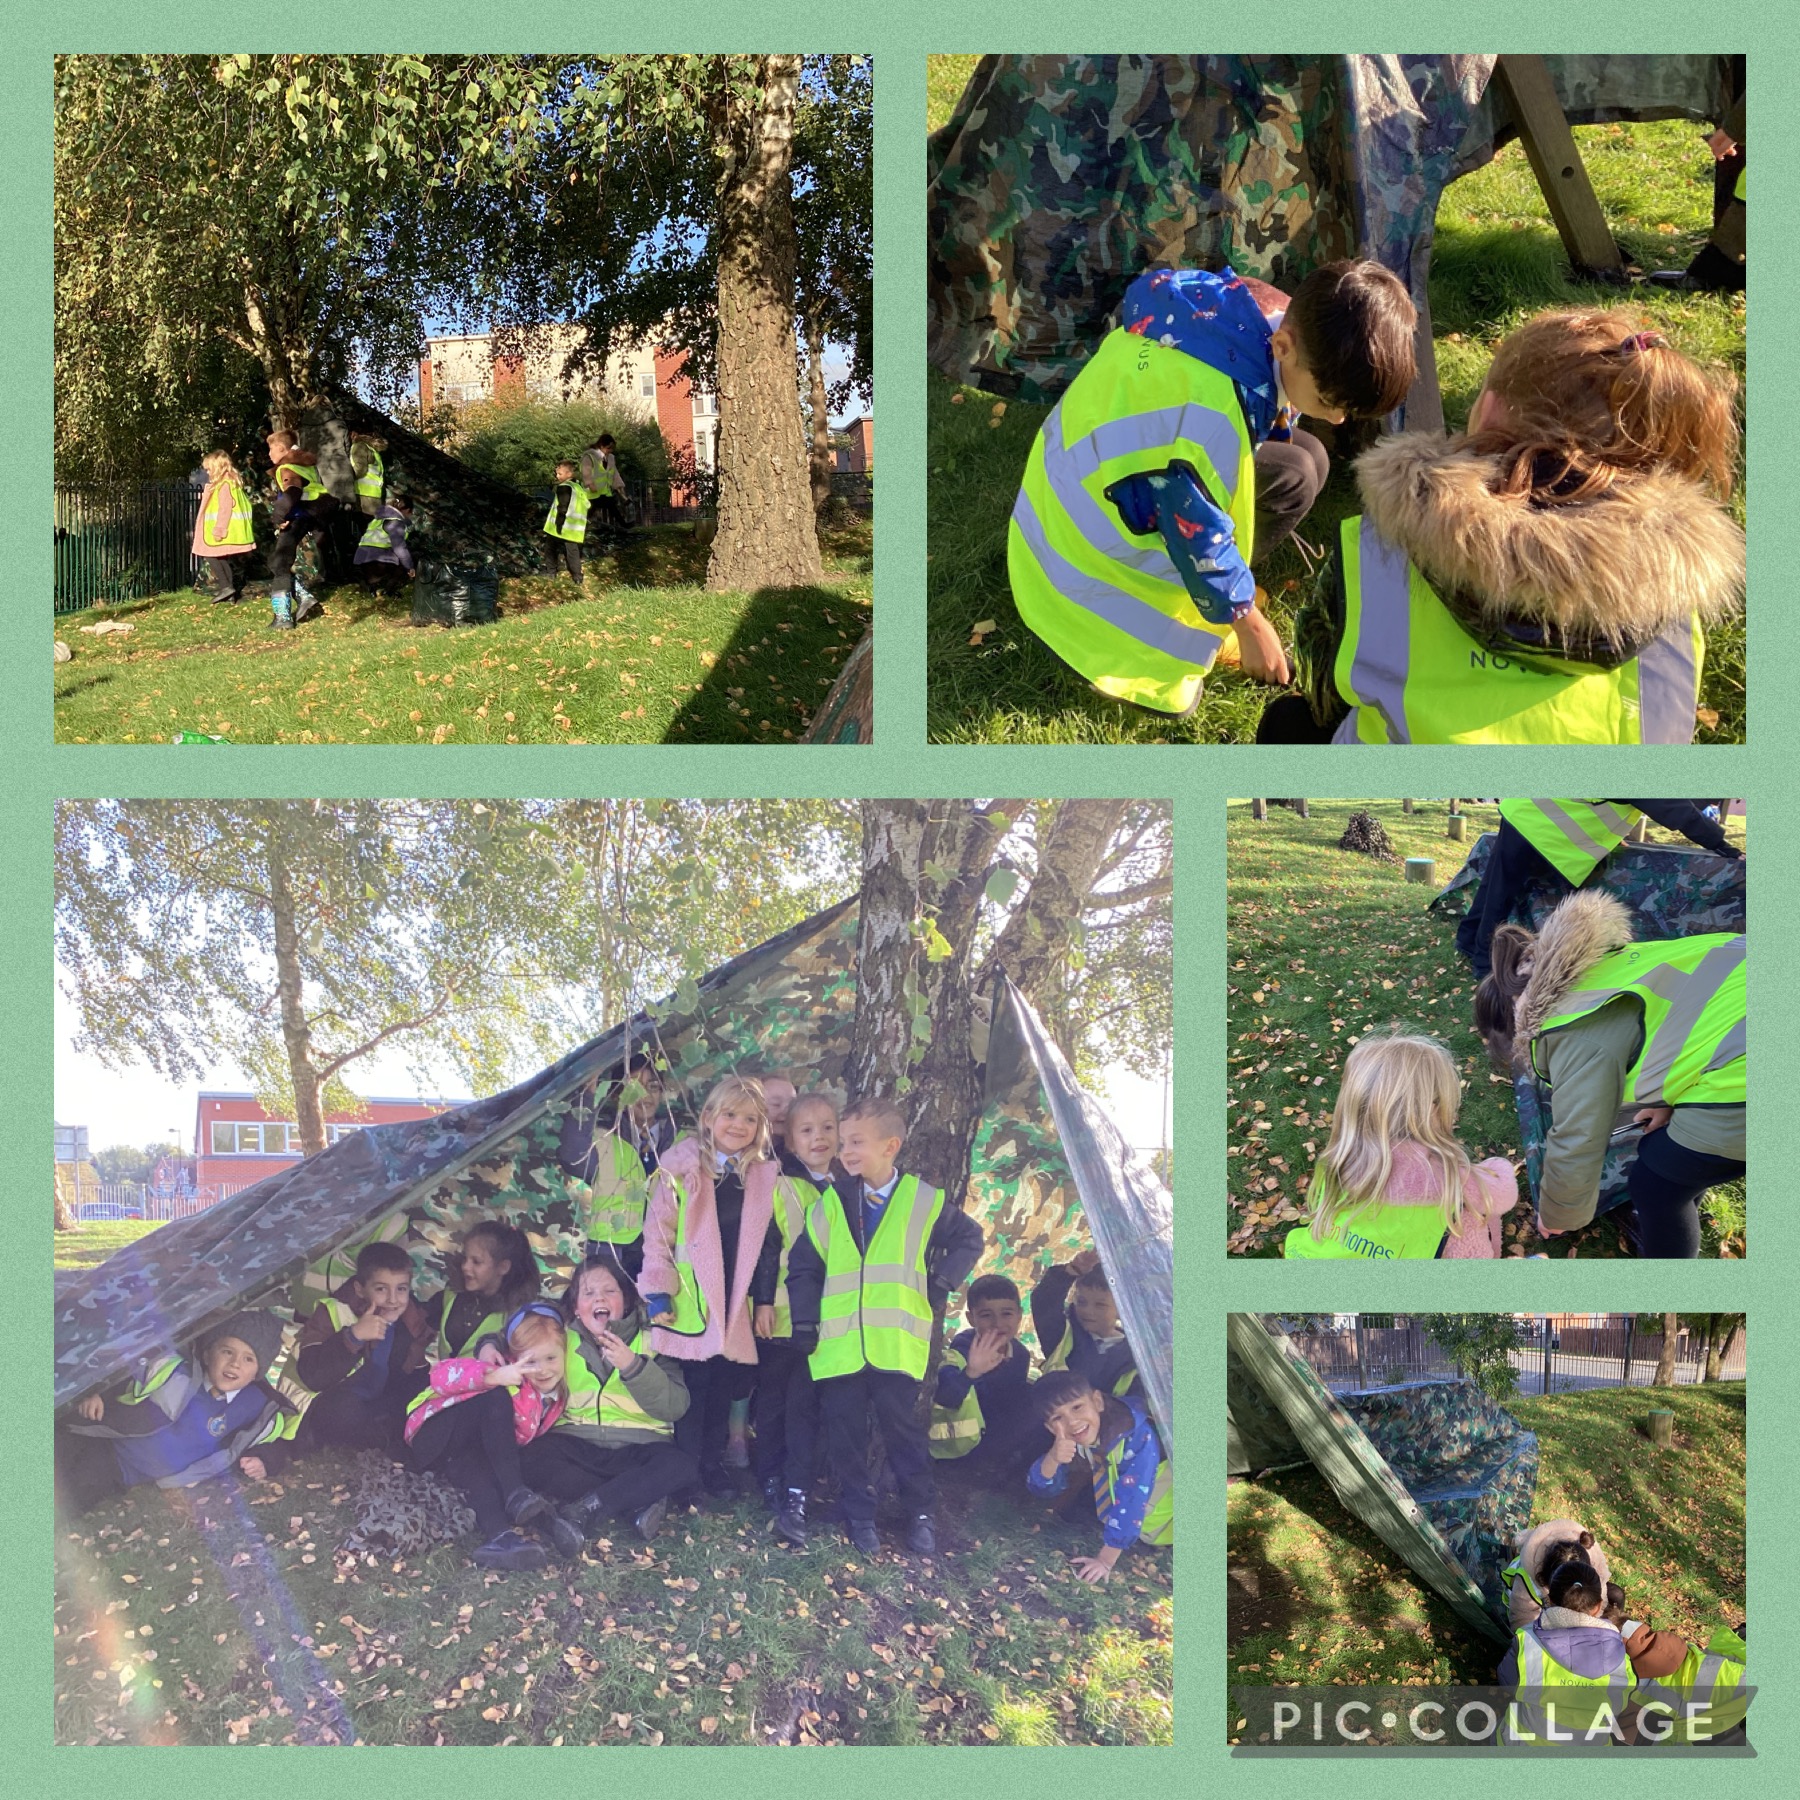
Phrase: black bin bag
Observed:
(447, 595)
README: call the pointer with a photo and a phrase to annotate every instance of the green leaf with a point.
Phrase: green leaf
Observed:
(1002, 885)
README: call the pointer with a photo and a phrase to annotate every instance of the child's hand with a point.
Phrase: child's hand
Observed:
(253, 1467)
(1091, 1569)
(1259, 650)
(1653, 1118)
(489, 1355)
(511, 1374)
(91, 1409)
(988, 1352)
(763, 1322)
(1061, 1453)
(1083, 1260)
(371, 1328)
(619, 1353)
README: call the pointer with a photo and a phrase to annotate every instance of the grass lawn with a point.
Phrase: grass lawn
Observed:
(250, 1629)
(1316, 1598)
(1324, 945)
(646, 655)
(1497, 260)
(87, 1246)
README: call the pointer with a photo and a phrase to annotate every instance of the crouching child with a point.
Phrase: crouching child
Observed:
(185, 1421)
(1123, 1458)
(982, 1418)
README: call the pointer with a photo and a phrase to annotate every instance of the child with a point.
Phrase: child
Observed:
(224, 533)
(600, 476)
(566, 521)
(612, 1454)
(384, 545)
(1688, 1693)
(184, 1422)
(468, 1427)
(1542, 578)
(787, 1403)
(293, 521)
(1076, 1322)
(778, 1095)
(370, 472)
(879, 1253)
(711, 1251)
(641, 1120)
(364, 1351)
(499, 1274)
(1134, 1487)
(1170, 465)
(314, 511)
(1541, 1551)
(982, 1417)
(1567, 1665)
(612, 1208)
(1394, 1182)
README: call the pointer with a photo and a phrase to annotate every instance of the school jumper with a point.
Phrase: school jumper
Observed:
(360, 1390)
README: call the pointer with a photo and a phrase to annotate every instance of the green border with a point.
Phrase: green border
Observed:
(899, 36)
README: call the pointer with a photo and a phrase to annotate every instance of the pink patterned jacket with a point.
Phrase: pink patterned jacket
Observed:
(459, 1378)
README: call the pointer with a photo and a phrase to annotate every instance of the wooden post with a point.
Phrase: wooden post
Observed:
(1259, 809)
(1457, 827)
(1421, 868)
(1423, 408)
(1300, 808)
(1530, 94)
(1640, 831)
(1630, 1332)
(1660, 1427)
(1406, 806)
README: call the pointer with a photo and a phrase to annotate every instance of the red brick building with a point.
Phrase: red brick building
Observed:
(236, 1142)
(857, 445)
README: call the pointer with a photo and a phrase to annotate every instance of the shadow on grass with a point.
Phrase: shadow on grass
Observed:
(812, 652)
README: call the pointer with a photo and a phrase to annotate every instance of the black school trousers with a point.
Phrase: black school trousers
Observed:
(1290, 473)
(1513, 864)
(785, 1413)
(1666, 1182)
(342, 1419)
(624, 1478)
(845, 1402)
(703, 1430)
(471, 1446)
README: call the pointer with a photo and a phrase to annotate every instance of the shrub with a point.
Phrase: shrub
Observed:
(521, 442)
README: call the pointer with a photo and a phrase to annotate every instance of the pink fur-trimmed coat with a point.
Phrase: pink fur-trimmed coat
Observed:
(728, 1327)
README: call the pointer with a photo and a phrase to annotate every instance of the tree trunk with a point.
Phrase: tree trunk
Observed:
(296, 1035)
(1719, 1342)
(64, 1216)
(766, 536)
(1035, 946)
(1665, 1357)
(819, 405)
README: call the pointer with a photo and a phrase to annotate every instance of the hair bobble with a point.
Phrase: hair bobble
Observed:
(1644, 340)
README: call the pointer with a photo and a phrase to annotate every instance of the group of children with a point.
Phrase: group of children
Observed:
(592, 489)
(773, 1271)
(300, 506)
(1575, 1652)
(1544, 576)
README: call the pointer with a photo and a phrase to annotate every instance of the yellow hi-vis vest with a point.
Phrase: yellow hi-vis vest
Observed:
(375, 533)
(308, 474)
(1517, 1571)
(574, 525)
(794, 1199)
(1058, 1358)
(875, 1311)
(1111, 604)
(370, 483)
(956, 1430)
(1737, 193)
(240, 528)
(1704, 1698)
(687, 1305)
(598, 1403)
(596, 477)
(1553, 1704)
(1692, 993)
(1374, 1232)
(1573, 836)
(1411, 675)
(488, 1325)
(612, 1208)
(1159, 1517)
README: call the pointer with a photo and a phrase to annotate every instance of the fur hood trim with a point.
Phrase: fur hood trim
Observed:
(1585, 927)
(1618, 570)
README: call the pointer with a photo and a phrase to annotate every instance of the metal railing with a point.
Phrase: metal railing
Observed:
(122, 540)
(96, 1202)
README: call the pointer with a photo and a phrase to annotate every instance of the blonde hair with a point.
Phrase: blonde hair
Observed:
(1395, 1090)
(1593, 396)
(538, 1327)
(732, 1088)
(220, 467)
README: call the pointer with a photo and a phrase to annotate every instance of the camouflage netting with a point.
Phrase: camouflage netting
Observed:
(1673, 890)
(524, 1155)
(1442, 1475)
(1056, 180)
(402, 1512)
(1365, 833)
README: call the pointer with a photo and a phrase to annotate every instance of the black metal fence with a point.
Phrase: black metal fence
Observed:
(121, 540)
(1552, 1357)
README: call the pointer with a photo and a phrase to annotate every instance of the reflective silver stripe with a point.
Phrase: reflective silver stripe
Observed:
(1613, 819)
(1136, 618)
(1668, 687)
(1731, 1047)
(891, 1318)
(1216, 434)
(1531, 1661)
(1383, 656)
(1573, 832)
(1687, 992)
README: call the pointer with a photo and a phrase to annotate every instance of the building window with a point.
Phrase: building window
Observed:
(706, 406)
(230, 1138)
(334, 1132)
(647, 384)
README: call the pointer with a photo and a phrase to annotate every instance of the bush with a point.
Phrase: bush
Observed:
(521, 442)
(1479, 1345)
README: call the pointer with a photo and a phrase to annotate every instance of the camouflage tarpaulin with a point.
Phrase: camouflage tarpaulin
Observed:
(1058, 179)
(1437, 1471)
(1041, 1176)
(526, 1155)
(1674, 891)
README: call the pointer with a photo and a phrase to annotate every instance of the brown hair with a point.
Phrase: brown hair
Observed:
(884, 1115)
(1591, 396)
(1354, 324)
(1500, 989)
(734, 1088)
(1576, 1586)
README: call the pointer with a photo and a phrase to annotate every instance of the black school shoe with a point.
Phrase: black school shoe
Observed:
(510, 1551)
(864, 1538)
(790, 1520)
(524, 1505)
(567, 1538)
(719, 1483)
(649, 1521)
(920, 1538)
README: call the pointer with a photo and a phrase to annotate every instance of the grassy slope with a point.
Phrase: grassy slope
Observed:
(87, 1246)
(645, 656)
(1324, 945)
(1316, 1597)
(713, 1634)
(1497, 260)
